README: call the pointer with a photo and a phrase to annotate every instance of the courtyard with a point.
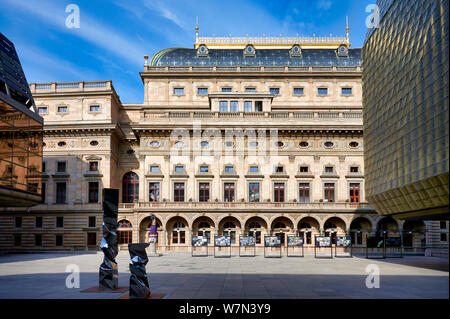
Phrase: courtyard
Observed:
(180, 276)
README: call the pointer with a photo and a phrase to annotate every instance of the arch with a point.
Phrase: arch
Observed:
(361, 223)
(414, 234)
(282, 222)
(144, 229)
(388, 224)
(124, 232)
(256, 226)
(233, 219)
(288, 221)
(226, 229)
(308, 221)
(256, 220)
(130, 188)
(335, 223)
(264, 219)
(178, 230)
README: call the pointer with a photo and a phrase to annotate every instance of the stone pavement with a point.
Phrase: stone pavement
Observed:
(181, 276)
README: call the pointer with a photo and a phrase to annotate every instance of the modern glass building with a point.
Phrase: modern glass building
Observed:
(406, 110)
(20, 134)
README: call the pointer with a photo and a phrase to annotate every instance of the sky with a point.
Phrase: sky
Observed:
(113, 36)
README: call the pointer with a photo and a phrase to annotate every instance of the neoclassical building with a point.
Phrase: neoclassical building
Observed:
(236, 136)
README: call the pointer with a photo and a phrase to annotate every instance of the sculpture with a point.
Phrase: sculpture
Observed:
(139, 287)
(153, 237)
(108, 273)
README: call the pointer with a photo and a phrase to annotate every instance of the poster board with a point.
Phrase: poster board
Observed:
(394, 244)
(247, 242)
(272, 242)
(323, 243)
(378, 243)
(222, 242)
(197, 242)
(294, 242)
(343, 242)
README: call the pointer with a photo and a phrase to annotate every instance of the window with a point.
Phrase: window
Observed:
(93, 143)
(322, 91)
(38, 222)
(298, 91)
(130, 152)
(92, 239)
(304, 169)
(250, 89)
(93, 192)
(38, 240)
(130, 188)
(32, 187)
(354, 192)
(303, 192)
(59, 222)
(254, 169)
(43, 167)
(229, 232)
(17, 240)
(58, 240)
(275, 91)
(354, 169)
(279, 169)
(346, 91)
(93, 166)
(125, 234)
(329, 192)
(178, 91)
(279, 144)
(61, 144)
(353, 144)
(443, 236)
(61, 193)
(94, 108)
(62, 109)
(254, 144)
(226, 89)
(229, 144)
(233, 106)
(204, 169)
(443, 225)
(154, 144)
(278, 192)
(258, 106)
(229, 169)
(179, 144)
(328, 144)
(18, 222)
(203, 192)
(253, 192)
(179, 169)
(202, 91)
(228, 193)
(154, 169)
(42, 110)
(61, 167)
(248, 106)
(204, 144)
(223, 106)
(178, 192)
(329, 169)
(92, 221)
(153, 192)
(179, 236)
(303, 144)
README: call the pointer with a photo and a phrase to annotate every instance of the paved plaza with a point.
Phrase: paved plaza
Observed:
(180, 276)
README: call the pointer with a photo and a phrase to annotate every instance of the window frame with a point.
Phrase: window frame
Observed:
(229, 192)
(204, 192)
(279, 193)
(93, 192)
(61, 194)
(177, 89)
(179, 192)
(154, 186)
(304, 192)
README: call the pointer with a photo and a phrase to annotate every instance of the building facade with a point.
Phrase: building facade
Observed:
(406, 110)
(237, 136)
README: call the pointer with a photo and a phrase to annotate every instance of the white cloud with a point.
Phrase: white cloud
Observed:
(324, 4)
(165, 12)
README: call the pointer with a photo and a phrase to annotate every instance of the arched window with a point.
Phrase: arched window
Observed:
(124, 230)
(305, 226)
(130, 189)
(229, 225)
(330, 225)
(204, 225)
(280, 225)
(179, 225)
(254, 225)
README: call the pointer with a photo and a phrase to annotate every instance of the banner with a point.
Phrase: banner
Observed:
(199, 241)
(272, 241)
(343, 241)
(322, 241)
(247, 241)
(294, 241)
(222, 241)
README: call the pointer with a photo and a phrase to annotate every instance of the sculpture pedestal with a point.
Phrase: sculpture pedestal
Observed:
(152, 250)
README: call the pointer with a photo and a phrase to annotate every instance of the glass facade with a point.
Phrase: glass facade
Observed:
(406, 109)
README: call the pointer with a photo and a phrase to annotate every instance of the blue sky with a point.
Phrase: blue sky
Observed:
(115, 35)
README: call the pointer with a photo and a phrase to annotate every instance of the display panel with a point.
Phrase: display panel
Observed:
(394, 242)
(199, 241)
(272, 241)
(294, 241)
(343, 241)
(222, 241)
(322, 241)
(247, 241)
(375, 242)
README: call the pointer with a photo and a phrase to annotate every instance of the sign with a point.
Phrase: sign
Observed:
(343, 241)
(272, 241)
(199, 241)
(294, 241)
(375, 242)
(247, 241)
(222, 241)
(322, 241)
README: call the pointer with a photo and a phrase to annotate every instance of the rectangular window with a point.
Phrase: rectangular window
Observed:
(60, 193)
(279, 169)
(174, 237)
(38, 222)
(42, 110)
(17, 240)
(329, 169)
(228, 194)
(248, 106)
(178, 193)
(61, 167)
(18, 222)
(38, 240)
(257, 235)
(346, 91)
(153, 192)
(92, 239)
(304, 169)
(278, 189)
(226, 89)
(179, 169)
(275, 91)
(154, 169)
(228, 169)
(443, 236)
(233, 106)
(92, 221)
(253, 192)
(202, 91)
(354, 169)
(93, 192)
(354, 192)
(258, 106)
(178, 91)
(329, 192)
(298, 91)
(204, 169)
(443, 225)
(59, 222)
(254, 169)
(322, 91)
(93, 166)
(58, 240)
(204, 192)
(94, 108)
(223, 106)
(250, 89)
(62, 109)
(43, 167)
(303, 192)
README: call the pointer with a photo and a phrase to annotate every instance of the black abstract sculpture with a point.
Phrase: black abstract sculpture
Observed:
(139, 287)
(108, 273)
